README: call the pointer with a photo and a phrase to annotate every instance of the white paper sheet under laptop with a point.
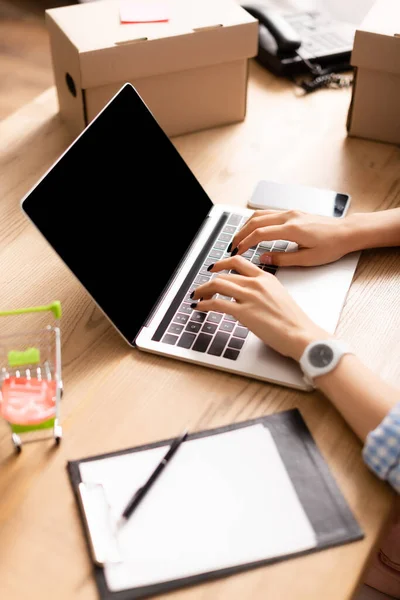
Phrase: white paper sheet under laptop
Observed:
(229, 493)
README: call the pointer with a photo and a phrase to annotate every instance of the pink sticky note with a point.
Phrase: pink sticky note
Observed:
(143, 11)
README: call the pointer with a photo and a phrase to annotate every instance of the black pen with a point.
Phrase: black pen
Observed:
(141, 492)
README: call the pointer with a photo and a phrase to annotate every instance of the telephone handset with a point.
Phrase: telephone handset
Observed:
(287, 39)
(302, 43)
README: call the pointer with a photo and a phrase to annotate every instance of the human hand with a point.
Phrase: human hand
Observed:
(261, 304)
(320, 239)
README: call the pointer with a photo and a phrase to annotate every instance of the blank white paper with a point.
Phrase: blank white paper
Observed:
(222, 501)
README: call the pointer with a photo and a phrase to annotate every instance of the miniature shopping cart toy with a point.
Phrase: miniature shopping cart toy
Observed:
(30, 373)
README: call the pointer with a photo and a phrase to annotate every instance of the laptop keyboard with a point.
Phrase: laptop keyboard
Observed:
(216, 333)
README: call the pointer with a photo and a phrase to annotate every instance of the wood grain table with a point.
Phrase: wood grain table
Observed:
(116, 397)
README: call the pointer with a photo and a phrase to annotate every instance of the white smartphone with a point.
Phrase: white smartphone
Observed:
(283, 196)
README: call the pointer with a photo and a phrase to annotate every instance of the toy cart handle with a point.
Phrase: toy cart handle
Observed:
(55, 308)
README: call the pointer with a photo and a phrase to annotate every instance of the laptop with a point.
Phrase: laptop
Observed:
(128, 217)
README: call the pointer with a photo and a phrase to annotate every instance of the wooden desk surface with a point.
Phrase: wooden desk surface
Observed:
(116, 397)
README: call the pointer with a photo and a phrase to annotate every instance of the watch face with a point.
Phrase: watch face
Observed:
(320, 356)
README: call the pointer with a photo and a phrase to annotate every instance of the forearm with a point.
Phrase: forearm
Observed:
(373, 230)
(361, 396)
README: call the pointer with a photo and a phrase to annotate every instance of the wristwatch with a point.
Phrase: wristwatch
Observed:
(322, 357)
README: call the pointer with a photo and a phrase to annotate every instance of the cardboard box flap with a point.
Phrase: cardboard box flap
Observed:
(198, 33)
(377, 39)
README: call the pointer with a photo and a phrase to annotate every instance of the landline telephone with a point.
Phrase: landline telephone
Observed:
(300, 43)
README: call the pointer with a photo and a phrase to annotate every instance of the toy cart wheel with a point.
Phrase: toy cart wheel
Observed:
(58, 434)
(16, 440)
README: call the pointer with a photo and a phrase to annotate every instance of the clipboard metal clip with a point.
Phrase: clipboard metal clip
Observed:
(99, 524)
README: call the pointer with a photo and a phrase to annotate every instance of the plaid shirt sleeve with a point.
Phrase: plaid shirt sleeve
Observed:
(382, 449)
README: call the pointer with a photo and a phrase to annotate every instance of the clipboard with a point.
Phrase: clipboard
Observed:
(329, 515)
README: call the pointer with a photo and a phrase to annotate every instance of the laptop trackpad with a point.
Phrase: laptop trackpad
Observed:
(260, 360)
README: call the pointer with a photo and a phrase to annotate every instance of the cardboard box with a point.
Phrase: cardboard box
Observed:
(374, 111)
(191, 70)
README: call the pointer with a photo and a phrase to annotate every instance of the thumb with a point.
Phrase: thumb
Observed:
(301, 258)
